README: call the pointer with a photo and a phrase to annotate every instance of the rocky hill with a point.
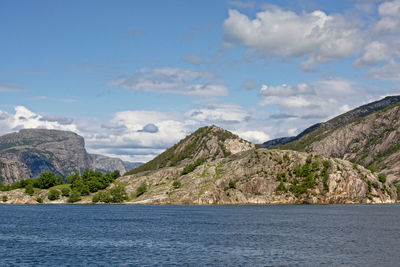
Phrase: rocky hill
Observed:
(372, 141)
(206, 142)
(30, 152)
(250, 175)
(308, 134)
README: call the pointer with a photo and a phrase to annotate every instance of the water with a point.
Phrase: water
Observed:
(305, 235)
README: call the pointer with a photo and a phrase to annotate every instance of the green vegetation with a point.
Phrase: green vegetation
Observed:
(47, 180)
(29, 190)
(192, 166)
(232, 184)
(65, 191)
(382, 178)
(281, 188)
(39, 199)
(5, 198)
(118, 194)
(74, 196)
(141, 189)
(176, 184)
(90, 181)
(54, 194)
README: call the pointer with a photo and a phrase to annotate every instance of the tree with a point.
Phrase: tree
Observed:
(45, 180)
(29, 190)
(74, 196)
(65, 191)
(382, 178)
(118, 194)
(5, 198)
(54, 194)
(115, 174)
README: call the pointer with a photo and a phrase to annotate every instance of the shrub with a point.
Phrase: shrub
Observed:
(74, 196)
(326, 164)
(232, 184)
(372, 169)
(118, 194)
(382, 178)
(39, 199)
(141, 189)
(190, 167)
(102, 196)
(54, 194)
(65, 191)
(5, 198)
(29, 190)
(176, 184)
(281, 187)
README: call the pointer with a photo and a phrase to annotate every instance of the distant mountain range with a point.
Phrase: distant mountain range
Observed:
(30, 152)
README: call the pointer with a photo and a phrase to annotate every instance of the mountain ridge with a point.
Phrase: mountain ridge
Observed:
(30, 152)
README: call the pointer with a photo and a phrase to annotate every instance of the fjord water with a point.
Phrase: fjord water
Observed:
(82, 235)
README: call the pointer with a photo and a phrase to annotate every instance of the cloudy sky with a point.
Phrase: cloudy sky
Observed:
(134, 77)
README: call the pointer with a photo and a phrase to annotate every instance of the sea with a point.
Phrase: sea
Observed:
(267, 235)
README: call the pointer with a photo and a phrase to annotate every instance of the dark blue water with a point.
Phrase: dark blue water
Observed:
(77, 235)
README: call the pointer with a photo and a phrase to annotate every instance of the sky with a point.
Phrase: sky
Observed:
(135, 77)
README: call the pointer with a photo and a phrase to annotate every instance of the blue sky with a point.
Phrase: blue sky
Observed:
(134, 77)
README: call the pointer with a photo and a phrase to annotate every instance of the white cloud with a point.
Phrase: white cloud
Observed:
(389, 72)
(390, 20)
(256, 137)
(279, 32)
(173, 80)
(375, 52)
(311, 102)
(219, 113)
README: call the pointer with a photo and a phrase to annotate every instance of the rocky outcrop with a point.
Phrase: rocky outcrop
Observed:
(30, 152)
(255, 177)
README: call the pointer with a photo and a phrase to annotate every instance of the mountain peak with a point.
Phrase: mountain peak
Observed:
(209, 142)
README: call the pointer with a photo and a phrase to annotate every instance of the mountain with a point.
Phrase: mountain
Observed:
(206, 142)
(335, 122)
(368, 135)
(214, 166)
(249, 175)
(30, 152)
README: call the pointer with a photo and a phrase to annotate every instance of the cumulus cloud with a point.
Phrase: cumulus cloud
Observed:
(278, 32)
(24, 118)
(221, 113)
(375, 52)
(390, 20)
(173, 80)
(256, 137)
(318, 101)
(388, 72)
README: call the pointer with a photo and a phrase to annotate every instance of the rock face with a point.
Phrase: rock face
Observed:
(255, 177)
(30, 152)
(372, 141)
